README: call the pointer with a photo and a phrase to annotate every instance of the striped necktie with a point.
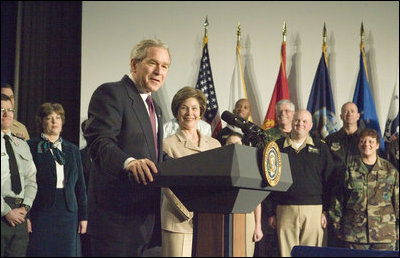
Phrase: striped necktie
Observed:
(152, 115)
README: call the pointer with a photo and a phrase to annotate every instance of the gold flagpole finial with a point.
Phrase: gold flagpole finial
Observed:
(206, 27)
(324, 35)
(284, 31)
(238, 32)
(362, 32)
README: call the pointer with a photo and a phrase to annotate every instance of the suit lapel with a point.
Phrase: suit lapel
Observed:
(140, 111)
(188, 144)
(68, 160)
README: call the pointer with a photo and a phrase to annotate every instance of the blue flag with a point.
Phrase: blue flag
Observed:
(364, 101)
(320, 102)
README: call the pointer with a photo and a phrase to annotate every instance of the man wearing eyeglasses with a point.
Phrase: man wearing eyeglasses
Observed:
(17, 128)
(18, 186)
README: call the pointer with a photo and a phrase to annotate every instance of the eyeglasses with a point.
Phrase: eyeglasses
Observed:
(11, 110)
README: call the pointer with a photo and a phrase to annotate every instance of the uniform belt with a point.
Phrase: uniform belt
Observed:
(14, 202)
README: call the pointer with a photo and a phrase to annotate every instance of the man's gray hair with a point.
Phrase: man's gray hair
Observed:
(139, 52)
(285, 101)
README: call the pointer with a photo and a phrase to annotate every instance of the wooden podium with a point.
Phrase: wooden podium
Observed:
(220, 186)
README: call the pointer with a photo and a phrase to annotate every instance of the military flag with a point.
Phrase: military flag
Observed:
(281, 90)
(363, 99)
(205, 83)
(320, 102)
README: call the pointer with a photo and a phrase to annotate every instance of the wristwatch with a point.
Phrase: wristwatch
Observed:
(27, 207)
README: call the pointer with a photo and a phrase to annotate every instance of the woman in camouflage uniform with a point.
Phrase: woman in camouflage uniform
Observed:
(365, 209)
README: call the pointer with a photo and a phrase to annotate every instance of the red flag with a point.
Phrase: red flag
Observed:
(281, 91)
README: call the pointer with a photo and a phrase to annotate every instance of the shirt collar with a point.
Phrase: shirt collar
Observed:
(142, 95)
(9, 134)
(288, 142)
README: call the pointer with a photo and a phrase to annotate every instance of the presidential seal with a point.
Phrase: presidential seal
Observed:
(272, 164)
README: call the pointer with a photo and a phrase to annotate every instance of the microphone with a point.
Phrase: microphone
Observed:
(246, 126)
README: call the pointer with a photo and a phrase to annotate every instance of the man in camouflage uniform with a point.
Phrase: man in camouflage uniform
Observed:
(365, 208)
(344, 148)
(284, 111)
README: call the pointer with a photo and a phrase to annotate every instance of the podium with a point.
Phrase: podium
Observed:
(220, 186)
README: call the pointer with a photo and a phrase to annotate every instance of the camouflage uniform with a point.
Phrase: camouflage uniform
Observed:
(273, 134)
(344, 149)
(392, 152)
(268, 246)
(365, 210)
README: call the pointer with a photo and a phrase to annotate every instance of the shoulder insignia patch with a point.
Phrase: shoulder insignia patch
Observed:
(335, 146)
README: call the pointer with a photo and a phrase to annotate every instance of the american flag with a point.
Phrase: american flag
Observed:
(205, 83)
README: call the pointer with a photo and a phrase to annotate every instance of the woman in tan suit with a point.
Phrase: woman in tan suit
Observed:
(188, 106)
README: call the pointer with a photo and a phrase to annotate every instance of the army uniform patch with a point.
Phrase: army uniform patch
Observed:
(335, 146)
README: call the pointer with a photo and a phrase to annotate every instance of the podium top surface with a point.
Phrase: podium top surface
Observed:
(233, 165)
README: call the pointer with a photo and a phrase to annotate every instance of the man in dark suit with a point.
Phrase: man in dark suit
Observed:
(124, 144)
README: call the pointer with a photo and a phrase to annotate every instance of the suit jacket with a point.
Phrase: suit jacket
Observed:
(46, 178)
(175, 217)
(119, 127)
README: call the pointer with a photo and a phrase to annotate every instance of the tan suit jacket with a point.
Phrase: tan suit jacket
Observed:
(174, 215)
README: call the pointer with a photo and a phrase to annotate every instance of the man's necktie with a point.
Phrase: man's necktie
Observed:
(152, 115)
(15, 180)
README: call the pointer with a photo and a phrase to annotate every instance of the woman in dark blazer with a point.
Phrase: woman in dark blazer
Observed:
(59, 211)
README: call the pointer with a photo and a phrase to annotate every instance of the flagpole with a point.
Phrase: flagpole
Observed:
(362, 48)
(283, 62)
(324, 46)
(238, 34)
(205, 38)
(362, 32)
(284, 31)
(238, 48)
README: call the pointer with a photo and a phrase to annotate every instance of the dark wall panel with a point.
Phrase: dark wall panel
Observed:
(50, 62)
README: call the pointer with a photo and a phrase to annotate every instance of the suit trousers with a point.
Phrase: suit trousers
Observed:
(298, 225)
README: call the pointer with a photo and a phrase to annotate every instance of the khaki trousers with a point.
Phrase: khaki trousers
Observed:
(250, 227)
(298, 225)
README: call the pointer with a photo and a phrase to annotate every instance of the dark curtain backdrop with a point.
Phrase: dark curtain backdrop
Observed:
(8, 35)
(50, 62)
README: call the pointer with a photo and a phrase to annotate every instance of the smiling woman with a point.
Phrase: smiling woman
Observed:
(365, 206)
(188, 106)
